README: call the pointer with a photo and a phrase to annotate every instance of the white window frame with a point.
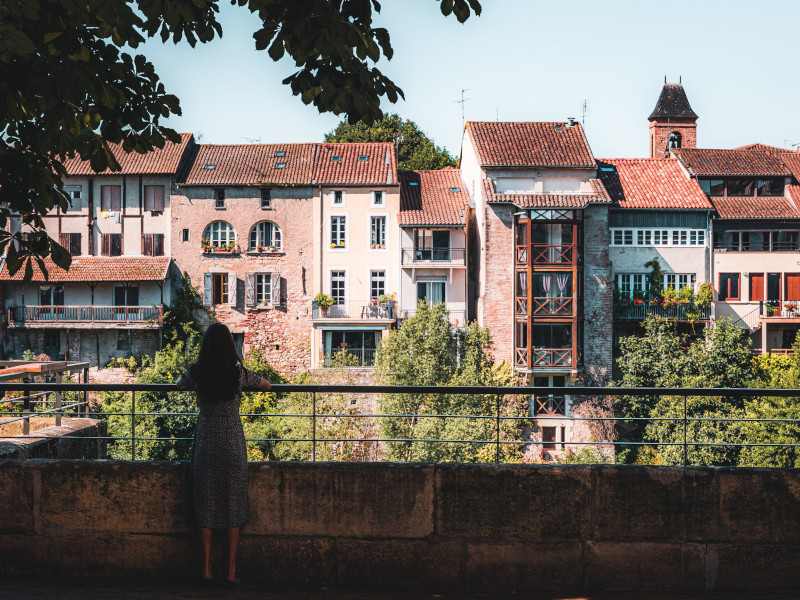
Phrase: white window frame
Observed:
(628, 283)
(378, 194)
(341, 204)
(678, 280)
(668, 237)
(385, 218)
(371, 278)
(230, 234)
(261, 200)
(346, 246)
(344, 270)
(252, 285)
(260, 236)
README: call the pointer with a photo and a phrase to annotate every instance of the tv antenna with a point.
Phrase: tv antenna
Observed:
(584, 110)
(462, 102)
(252, 140)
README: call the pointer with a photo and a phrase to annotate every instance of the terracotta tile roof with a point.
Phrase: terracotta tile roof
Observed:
(357, 164)
(651, 183)
(792, 162)
(100, 268)
(163, 161)
(753, 163)
(757, 208)
(763, 148)
(507, 144)
(673, 104)
(251, 164)
(547, 200)
(429, 198)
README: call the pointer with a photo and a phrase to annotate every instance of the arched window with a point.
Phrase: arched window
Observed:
(674, 140)
(265, 234)
(219, 234)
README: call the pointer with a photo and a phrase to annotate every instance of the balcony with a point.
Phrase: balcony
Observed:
(457, 318)
(347, 357)
(546, 306)
(550, 405)
(546, 358)
(86, 317)
(549, 255)
(681, 311)
(355, 310)
(426, 257)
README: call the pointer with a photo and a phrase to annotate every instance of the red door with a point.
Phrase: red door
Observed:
(756, 287)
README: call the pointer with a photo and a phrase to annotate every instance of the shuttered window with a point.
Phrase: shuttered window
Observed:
(154, 198)
(111, 197)
(153, 244)
(111, 244)
(72, 243)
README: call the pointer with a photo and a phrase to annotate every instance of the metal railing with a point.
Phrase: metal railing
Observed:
(315, 418)
(348, 357)
(82, 314)
(355, 310)
(456, 256)
(680, 311)
(457, 318)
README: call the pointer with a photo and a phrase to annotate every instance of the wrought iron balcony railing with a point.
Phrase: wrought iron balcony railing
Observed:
(355, 310)
(451, 256)
(85, 314)
(682, 312)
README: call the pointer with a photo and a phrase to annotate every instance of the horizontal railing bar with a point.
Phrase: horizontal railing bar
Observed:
(389, 389)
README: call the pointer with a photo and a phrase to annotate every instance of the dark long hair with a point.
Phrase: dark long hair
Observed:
(216, 371)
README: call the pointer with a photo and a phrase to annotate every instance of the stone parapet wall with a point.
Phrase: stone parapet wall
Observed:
(502, 527)
(87, 438)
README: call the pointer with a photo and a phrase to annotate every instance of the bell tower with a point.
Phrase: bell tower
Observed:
(673, 123)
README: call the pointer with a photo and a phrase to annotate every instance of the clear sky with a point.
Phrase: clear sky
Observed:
(522, 60)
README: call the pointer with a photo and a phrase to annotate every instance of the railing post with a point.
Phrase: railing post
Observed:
(58, 401)
(133, 425)
(85, 393)
(313, 426)
(26, 409)
(685, 447)
(497, 429)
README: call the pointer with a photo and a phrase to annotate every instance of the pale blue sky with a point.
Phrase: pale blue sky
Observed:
(523, 60)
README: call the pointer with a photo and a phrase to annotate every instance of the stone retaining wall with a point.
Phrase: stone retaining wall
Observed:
(512, 527)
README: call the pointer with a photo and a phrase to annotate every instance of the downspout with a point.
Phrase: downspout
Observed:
(710, 268)
(90, 221)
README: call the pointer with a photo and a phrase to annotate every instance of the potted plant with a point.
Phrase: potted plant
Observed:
(333, 245)
(373, 246)
(272, 248)
(260, 248)
(205, 245)
(341, 244)
(324, 302)
(770, 308)
(791, 309)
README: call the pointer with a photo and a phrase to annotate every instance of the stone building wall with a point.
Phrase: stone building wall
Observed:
(281, 330)
(597, 291)
(498, 295)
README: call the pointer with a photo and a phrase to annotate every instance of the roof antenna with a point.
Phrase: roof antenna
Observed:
(665, 80)
(584, 110)
(461, 102)
(680, 79)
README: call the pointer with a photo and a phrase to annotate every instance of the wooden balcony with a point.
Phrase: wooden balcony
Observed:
(549, 405)
(556, 255)
(86, 317)
(546, 358)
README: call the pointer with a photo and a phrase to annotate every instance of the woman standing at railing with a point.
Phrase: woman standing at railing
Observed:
(219, 459)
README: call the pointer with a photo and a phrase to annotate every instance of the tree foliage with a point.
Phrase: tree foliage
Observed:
(414, 149)
(427, 350)
(71, 82)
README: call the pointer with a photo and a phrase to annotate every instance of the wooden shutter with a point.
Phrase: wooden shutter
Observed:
(116, 244)
(105, 197)
(158, 244)
(793, 286)
(232, 289)
(756, 287)
(75, 244)
(158, 198)
(207, 288)
(250, 289)
(149, 197)
(275, 289)
(116, 197)
(105, 244)
(64, 240)
(147, 244)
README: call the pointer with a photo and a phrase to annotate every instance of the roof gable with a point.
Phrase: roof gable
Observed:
(514, 144)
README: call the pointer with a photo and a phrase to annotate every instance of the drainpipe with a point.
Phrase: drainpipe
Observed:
(710, 268)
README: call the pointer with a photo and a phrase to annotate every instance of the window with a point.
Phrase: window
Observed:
(280, 153)
(153, 244)
(771, 187)
(741, 187)
(219, 234)
(432, 244)
(338, 231)
(72, 243)
(126, 296)
(629, 284)
(74, 194)
(259, 288)
(377, 232)
(110, 197)
(431, 289)
(219, 288)
(338, 286)
(551, 336)
(337, 198)
(377, 284)
(785, 240)
(185, 235)
(729, 286)
(266, 235)
(266, 198)
(658, 237)
(548, 438)
(263, 285)
(111, 244)
(219, 198)
(280, 165)
(561, 185)
(378, 198)
(678, 281)
(154, 198)
(674, 140)
(756, 241)
(51, 295)
(712, 187)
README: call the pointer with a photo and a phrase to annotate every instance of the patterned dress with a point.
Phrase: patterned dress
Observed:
(219, 459)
